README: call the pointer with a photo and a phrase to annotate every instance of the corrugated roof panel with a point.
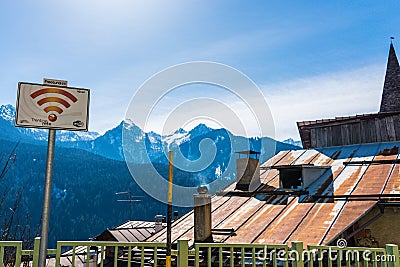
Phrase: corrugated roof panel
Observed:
(306, 157)
(119, 236)
(393, 184)
(268, 175)
(274, 182)
(131, 235)
(275, 159)
(372, 182)
(374, 179)
(315, 224)
(352, 211)
(334, 155)
(145, 232)
(348, 178)
(282, 226)
(141, 233)
(243, 213)
(248, 232)
(220, 214)
(290, 157)
(185, 223)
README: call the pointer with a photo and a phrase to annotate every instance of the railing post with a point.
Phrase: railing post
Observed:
(392, 255)
(298, 255)
(36, 248)
(183, 253)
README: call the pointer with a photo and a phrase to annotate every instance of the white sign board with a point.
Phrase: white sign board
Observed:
(52, 107)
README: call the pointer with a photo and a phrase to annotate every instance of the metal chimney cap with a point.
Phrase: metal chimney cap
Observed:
(203, 189)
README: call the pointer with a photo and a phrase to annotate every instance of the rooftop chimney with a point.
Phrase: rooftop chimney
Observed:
(202, 216)
(176, 215)
(158, 226)
(248, 171)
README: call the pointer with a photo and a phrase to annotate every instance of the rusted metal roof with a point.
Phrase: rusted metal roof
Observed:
(131, 231)
(276, 219)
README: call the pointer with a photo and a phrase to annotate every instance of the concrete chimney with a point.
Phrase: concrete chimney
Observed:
(202, 217)
(248, 171)
(158, 226)
(176, 215)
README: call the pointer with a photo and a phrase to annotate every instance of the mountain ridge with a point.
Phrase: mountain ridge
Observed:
(110, 144)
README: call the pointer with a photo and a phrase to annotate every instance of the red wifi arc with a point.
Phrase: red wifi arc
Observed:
(53, 99)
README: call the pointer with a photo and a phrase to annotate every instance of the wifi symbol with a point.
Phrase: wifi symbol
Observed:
(51, 99)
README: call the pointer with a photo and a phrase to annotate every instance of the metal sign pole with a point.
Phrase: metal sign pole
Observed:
(46, 200)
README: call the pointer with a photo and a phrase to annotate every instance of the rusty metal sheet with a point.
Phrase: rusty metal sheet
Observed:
(312, 229)
(291, 157)
(372, 182)
(268, 175)
(240, 216)
(351, 174)
(306, 157)
(274, 182)
(348, 178)
(322, 215)
(275, 159)
(349, 215)
(284, 224)
(220, 214)
(248, 232)
(334, 155)
(393, 184)
(185, 223)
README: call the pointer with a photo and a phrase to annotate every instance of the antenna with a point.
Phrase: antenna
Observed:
(130, 199)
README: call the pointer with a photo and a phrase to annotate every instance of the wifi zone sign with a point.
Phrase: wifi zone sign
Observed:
(52, 107)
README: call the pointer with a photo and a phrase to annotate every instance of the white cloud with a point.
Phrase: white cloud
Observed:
(343, 93)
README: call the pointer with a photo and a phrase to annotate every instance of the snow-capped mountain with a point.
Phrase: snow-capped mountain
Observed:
(177, 138)
(7, 113)
(143, 147)
(291, 141)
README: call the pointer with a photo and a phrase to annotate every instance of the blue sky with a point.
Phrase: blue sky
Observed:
(311, 59)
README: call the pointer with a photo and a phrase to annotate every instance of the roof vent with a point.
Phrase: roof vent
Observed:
(248, 170)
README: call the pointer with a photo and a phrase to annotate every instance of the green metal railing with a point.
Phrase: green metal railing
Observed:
(96, 253)
(221, 254)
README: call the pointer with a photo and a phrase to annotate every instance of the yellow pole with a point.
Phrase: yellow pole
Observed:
(170, 176)
(169, 214)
